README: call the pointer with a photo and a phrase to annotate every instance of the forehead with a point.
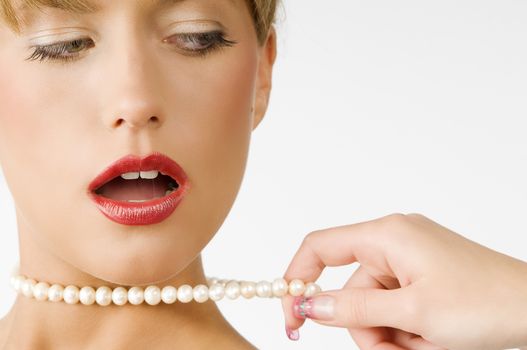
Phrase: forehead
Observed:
(26, 11)
(89, 6)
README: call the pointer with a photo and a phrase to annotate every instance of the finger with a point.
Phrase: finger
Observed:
(413, 341)
(290, 320)
(366, 338)
(366, 242)
(370, 338)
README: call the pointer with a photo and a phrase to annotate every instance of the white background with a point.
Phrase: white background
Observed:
(377, 107)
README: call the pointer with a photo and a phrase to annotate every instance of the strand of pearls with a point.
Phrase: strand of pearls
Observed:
(217, 289)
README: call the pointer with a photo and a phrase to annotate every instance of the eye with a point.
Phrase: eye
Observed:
(199, 44)
(195, 44)
(61, 51)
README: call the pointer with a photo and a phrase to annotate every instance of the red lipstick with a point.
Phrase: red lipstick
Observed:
(140, 213)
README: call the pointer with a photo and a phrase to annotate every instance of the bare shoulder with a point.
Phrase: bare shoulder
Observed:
(226, 337)
(5, 326)
(230, 341)
(3, 331)
(234, 345)
(244, 344)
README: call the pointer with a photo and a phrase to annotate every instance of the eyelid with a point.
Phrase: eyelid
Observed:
(192, 26)
(217, 37)
(59, 43)
(54, 51)
(65, 34)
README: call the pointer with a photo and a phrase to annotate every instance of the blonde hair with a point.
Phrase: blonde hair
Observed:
(262, 11)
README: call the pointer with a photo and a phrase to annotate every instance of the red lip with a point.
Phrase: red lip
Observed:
(145, 213)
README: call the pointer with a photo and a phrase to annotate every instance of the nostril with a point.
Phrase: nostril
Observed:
(136, 124)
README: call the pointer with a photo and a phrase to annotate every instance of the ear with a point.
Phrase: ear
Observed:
(264, 77)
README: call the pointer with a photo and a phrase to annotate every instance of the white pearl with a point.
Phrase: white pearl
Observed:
(55, 292)
(12, 281)
(169, 294)
(120, 296)
(280, 287)
(136, 295)
(27, 287)
(311, 289)
(87, 295)
(201, 293)
(185, 293)
(71, 294)
(232, 290)
(248, 289)
(296, 287)
(152, 295)
(216, 292)
(40, 291)
(215, 289)
(17, 282)
(264, 289)
(223, 282)
(103, 296)
(212, 280)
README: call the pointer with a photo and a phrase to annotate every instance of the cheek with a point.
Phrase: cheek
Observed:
(24, 133)
(32, 127)
(218, 130)
(39, 138)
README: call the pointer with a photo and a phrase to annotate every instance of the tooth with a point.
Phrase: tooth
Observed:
(168, 192)
(130, 176)
(138, 200)
(149, 174)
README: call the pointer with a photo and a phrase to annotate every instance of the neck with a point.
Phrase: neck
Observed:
(43, 324)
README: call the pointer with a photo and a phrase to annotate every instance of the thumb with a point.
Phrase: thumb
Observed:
(357, 308)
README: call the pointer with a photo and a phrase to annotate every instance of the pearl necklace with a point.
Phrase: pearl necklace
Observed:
(216, 290)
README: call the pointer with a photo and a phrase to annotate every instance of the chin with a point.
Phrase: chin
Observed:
(141, 262)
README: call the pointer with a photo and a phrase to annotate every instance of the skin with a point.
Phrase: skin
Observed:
(419, 286)
(61, 124)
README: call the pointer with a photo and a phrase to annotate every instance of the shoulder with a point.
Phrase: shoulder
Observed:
(3, 331)
(228, 339)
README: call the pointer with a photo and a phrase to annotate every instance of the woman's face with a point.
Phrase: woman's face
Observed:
(133, 85)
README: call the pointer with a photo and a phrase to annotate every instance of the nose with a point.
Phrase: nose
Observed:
(133, 89)
(135, 115)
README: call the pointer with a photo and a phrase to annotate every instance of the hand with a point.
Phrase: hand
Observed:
(418, 286)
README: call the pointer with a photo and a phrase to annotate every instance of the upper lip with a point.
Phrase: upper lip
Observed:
(133, 163)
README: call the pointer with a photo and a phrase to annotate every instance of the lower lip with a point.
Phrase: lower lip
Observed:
(144, 213)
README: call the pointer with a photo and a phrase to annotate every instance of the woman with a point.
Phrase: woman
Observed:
(105, 80)
(166, 94)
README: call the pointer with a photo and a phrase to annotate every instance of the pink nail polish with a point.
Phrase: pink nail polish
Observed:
(292, 334)
(301, 307)
(320, 307)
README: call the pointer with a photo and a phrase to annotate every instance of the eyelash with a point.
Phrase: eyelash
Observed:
(215, 40)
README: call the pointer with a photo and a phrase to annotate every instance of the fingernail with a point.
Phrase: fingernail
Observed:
(292, 334)
(320, 307)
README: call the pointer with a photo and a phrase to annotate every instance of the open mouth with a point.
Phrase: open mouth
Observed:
(139, 191)
(138, 186)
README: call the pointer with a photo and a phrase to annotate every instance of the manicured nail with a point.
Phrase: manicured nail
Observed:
(292, 334)
(320, 307)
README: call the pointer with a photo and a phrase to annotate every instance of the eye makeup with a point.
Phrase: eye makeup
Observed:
(191, 44)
